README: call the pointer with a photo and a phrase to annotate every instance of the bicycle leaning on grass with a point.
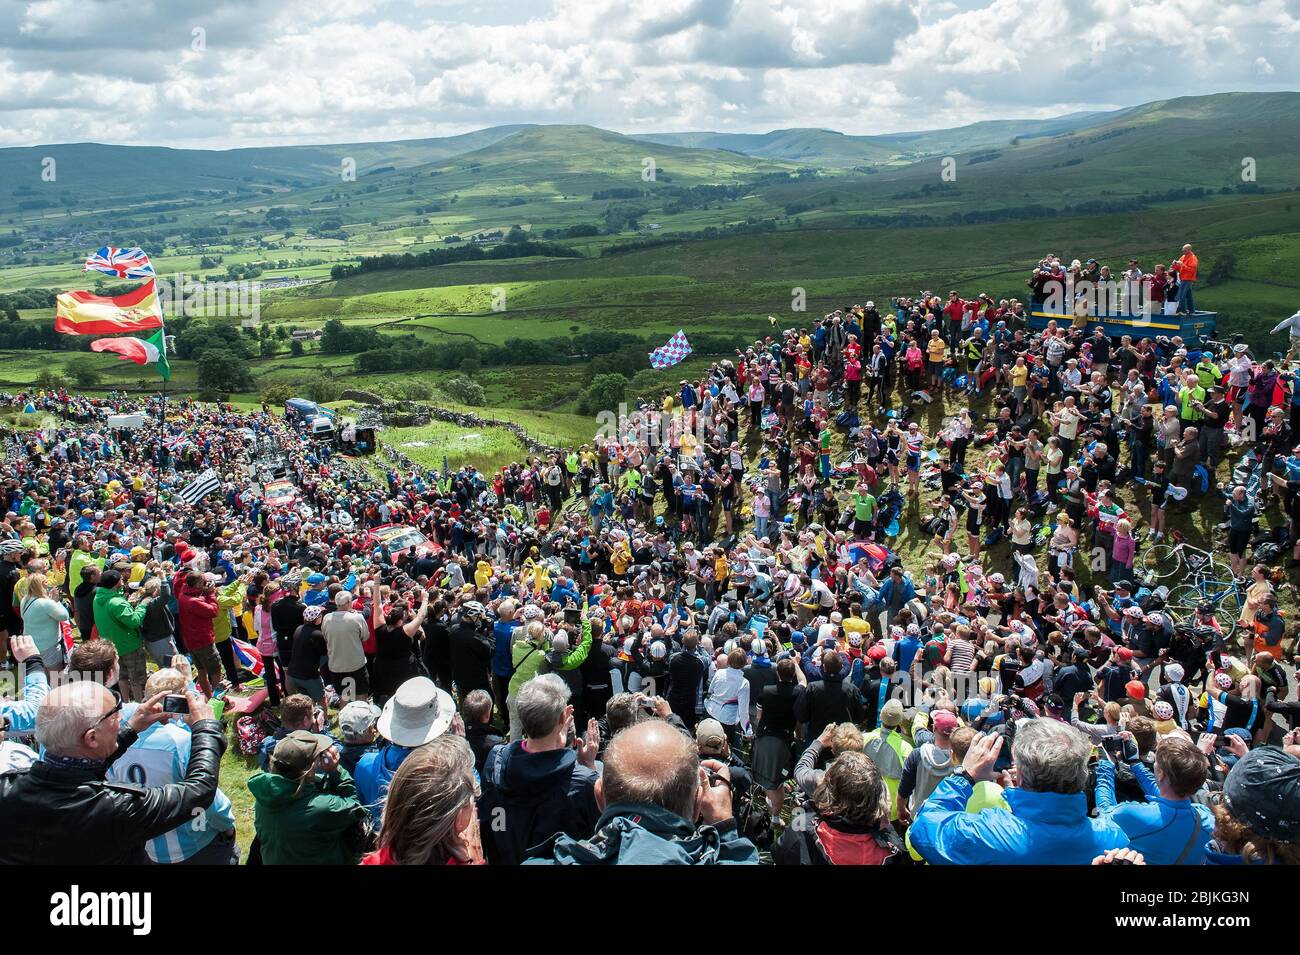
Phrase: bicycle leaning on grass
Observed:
(1161, 561)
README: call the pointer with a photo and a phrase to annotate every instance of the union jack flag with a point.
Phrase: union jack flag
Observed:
(176, 442)
(122, 263)
(246, 656)
(670, 353)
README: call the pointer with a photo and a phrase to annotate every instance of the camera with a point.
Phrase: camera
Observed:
(176, 703)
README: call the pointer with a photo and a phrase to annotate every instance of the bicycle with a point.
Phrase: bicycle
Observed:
(1226, 596)
(1165, 560)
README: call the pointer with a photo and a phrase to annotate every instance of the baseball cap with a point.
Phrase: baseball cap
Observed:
(1124, 653)
(295, 755)
(877, 652)
(1263, 790)
(891, 714)
(943, 722)
(710, 737)
(1174, 671)
(356, 719)
(1136, 689)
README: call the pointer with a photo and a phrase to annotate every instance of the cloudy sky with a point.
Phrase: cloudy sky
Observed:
(220, 73)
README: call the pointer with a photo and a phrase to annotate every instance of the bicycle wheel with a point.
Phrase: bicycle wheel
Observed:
(1227, 608)
(1161, 560)
(1182, 600)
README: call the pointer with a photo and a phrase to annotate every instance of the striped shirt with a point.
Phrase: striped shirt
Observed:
(963, 655)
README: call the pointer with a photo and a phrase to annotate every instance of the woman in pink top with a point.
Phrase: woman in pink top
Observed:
(1122, 551)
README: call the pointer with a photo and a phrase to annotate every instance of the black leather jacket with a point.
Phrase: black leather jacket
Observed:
(53, 815)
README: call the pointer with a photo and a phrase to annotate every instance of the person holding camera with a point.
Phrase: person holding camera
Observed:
(1048, 822)
(64, 810)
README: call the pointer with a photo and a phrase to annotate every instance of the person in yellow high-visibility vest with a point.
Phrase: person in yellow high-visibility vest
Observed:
(889, 749)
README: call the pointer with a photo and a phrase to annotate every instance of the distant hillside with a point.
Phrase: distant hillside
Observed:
(825, 147)
(1187, 147)
(287, 209)
(87, 175)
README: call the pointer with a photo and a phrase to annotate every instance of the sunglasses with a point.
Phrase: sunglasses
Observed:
(117, 708)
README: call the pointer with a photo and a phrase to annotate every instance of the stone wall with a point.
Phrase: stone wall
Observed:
(407, 414)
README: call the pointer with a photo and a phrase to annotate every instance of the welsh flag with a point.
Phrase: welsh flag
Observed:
(142, 351)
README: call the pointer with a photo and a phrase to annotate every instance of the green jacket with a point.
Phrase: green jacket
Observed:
(526, 657)
(117, 621)
(313, 826)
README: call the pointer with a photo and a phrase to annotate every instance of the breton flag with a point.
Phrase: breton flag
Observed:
(84, 313)
(673, 351)
(142, 351)
(200, 487)
(122, 263)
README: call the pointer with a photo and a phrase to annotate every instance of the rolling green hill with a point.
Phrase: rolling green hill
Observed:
(831, 149)
(87, 175)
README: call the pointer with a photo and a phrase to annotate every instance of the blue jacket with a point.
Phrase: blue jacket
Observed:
(1040, 829)
(570, 592)
(374, 773)
(1161, 829)
(886, 592)
(21, 714)
(503, 633)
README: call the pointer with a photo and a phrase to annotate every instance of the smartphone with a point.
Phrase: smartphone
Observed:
(1114, 745)
(176, 703)
(573, 615)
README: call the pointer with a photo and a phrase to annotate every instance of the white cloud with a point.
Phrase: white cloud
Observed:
(348, 70)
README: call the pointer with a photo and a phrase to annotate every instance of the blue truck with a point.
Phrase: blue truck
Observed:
(319, 422)
(1194, 328)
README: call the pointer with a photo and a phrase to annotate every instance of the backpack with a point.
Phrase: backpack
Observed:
(251, 729)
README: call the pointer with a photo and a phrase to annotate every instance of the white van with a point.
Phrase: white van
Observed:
(133, 420)
(322, 427)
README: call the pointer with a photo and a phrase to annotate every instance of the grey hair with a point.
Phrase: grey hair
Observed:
(1051, 757)
(560, 643)
(342, 599)
(541, 704)
(66, 714)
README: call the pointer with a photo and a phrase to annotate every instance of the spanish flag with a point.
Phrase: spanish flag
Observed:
(81, 313)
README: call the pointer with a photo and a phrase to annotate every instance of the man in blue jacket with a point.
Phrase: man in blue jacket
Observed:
(1048, 822)
(894, 595)
(1168, 829)
(503, 635)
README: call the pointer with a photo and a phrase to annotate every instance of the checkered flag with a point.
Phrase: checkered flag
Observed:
(671, 353)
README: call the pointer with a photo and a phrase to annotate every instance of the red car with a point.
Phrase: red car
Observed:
(400, 538)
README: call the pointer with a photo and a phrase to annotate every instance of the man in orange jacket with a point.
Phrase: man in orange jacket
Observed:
(1185, 267)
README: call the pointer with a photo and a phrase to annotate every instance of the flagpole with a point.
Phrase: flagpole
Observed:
(162, 451)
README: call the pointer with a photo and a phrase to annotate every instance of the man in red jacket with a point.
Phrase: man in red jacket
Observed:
(198, 609)
(1185, 265)
(953, 311)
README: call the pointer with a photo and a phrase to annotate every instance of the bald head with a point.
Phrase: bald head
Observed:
(67, 715)
(651, 762)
